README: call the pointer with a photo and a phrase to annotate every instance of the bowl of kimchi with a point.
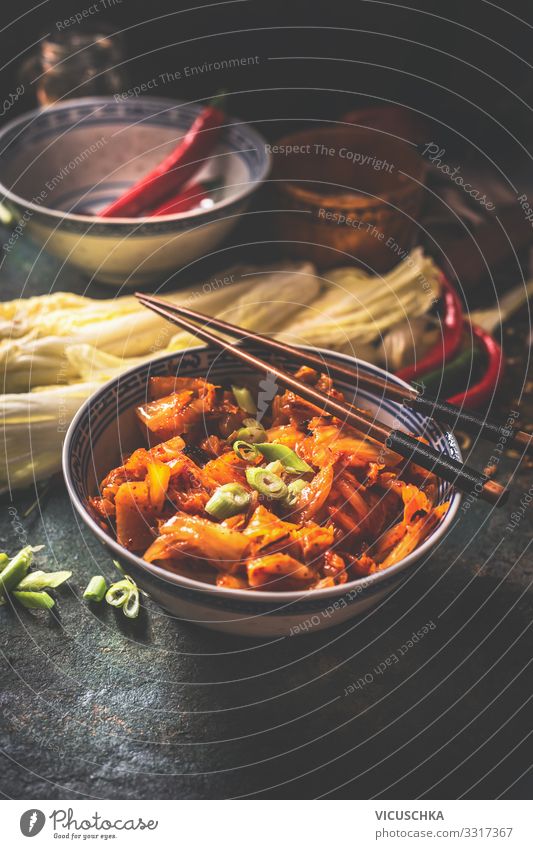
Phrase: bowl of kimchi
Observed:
(238, 506)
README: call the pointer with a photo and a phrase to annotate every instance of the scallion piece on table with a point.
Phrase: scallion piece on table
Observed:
(132, 604)
(96, 588)
(253, 431)
(276, 451)
(246, 451)
(35, 581)
(17, 568)
(244, 399)
(34, 601)
(228, 500)
(266, 483)
(118, 593)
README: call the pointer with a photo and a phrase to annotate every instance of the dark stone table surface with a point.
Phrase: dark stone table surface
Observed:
(93, 706)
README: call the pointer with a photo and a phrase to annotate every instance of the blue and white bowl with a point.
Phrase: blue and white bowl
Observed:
(60, 165)
(105, 429)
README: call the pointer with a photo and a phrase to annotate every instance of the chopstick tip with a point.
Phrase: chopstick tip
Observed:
(495, 493)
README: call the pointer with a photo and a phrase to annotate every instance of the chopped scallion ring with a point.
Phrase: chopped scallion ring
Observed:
(132, 605)
(246, 451)
(118, 593)
(228, 500)
(96, 588)
(253, 431)
(266, 483)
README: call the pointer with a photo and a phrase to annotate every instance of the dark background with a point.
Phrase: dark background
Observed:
(454, 61)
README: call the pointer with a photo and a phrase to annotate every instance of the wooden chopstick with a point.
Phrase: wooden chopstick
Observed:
(435, 408)
(464, 478)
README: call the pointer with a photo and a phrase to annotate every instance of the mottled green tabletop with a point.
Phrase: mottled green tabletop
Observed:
(95, 706)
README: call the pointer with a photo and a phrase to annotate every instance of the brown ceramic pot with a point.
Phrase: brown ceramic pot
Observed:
(348, 194)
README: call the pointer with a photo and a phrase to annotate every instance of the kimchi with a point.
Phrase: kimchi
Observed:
(295, 501)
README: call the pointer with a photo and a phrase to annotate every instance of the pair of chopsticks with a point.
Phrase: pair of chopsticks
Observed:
(464, 478)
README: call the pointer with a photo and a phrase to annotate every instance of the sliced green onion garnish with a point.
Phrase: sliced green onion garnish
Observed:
(244, 399)
(228, 500)
(118, 593)
(96, 588)
(246, 451)
(294, 490)
(35, 581)
(34, 601)
(266, 483)
(132, 605)
(289, 458)
(253, 431)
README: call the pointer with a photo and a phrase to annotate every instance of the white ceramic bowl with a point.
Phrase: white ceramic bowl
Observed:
(105, 428)
(60, 165)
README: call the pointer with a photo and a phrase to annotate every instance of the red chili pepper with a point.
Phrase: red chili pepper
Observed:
(188, 198)
(484, 389)
(450, 341)
(174, 171)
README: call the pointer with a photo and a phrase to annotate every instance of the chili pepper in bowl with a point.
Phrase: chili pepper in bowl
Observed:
(189, 198)
(175, 170)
